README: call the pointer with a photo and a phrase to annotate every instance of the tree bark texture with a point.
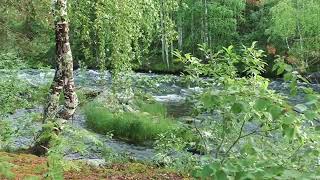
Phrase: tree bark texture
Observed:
(63, 79)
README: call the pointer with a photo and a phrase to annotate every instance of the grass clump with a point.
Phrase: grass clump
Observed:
(135, 127)
(153, 108)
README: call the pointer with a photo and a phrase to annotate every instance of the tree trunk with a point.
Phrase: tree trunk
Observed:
(206, 34)
(180, 26)
(164, 39)
(70, 96)
(162, 32)
(63, 79)
(192, 31)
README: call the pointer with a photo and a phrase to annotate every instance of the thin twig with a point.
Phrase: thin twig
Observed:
(199, 132)
(234, 143)
(220, 145)
(295, 152)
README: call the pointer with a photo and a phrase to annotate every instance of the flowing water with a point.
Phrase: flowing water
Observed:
(170, 93)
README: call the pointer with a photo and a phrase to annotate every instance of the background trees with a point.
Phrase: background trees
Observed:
(297, 24)
(110, 34)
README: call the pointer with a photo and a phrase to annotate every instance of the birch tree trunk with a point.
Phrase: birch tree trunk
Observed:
(162, 32)
(180, 28)
(164, 39)
(63, 79)
(192, 31)
(206, 27)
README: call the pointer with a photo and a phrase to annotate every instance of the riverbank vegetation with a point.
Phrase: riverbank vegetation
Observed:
(133, 126)
(218, 117)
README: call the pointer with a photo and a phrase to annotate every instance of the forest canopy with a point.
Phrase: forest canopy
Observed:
(146, 33)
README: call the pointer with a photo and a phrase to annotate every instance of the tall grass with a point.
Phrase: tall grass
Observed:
(134, 127)
(153, 108)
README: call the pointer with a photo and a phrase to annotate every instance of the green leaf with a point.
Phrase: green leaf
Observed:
(289, 131)
(311, 115)
(209, 100)
(280, 70)
(288, 77)
(262, 104)
(206, 172)
(293, 87)
(311, 98)
(237, 108)
(275, 111)
(303, 79)
(288, 120)
(288, 68)
(248, 149)
(221, 175)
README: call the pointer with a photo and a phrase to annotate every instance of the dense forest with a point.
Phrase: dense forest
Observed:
(159, 89)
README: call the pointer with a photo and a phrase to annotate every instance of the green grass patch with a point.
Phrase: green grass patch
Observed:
(153, 108)
(135, 127)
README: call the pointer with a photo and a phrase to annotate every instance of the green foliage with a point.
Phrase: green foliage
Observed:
(171, 149)
(255, 131)
(211, 22)
(289, 74)
(6, 133)
(252, 59)
(11, 60)
(26, 31)
(136, 127)
(57, 142)
(5, 168)
(122, 31)
(129, 33)
(55, 166)
(225, 63)
(17, 94)
(295, 22)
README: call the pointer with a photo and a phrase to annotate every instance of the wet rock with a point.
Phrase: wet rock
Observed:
(189, 120)
(95, 162)
(314, 77)
(169, 98)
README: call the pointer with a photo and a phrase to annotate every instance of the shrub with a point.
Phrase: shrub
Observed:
(17, 94)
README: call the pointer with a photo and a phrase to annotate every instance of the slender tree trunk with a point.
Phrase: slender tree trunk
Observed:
(180, 40)
(192, 31)
(180, 27)
(162, 32)
(63, 79)
(70, 96)
(164, 40)
(206, 34)
(167, 53)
